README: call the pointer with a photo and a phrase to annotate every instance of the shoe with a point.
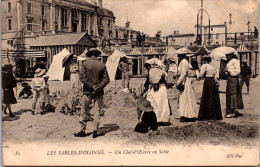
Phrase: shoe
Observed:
(80, 134)
(95, 135)
(184, 120)
(228, 116)
(238, 114)
(33, 113)
(11, 115)
(5, 113)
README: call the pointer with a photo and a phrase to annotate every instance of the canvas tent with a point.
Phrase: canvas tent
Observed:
(56, 71)
(219, 60)
(112, 63)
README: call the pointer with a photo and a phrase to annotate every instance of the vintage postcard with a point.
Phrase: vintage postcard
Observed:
(120, 82)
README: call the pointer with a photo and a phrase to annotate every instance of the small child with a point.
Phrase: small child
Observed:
(26, 91)
(38, 85)
(147, 120)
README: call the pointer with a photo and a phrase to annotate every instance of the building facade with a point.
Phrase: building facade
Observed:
(23, 19)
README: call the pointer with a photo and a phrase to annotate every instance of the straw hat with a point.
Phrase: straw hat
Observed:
(144, 105)
(93, 51)
(39, 72)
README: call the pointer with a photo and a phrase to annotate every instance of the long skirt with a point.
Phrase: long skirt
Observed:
(170, 80)
(233, 95)
(159, 101)
(210, 108)
(8, 96)
(188, 107)
(75, 82)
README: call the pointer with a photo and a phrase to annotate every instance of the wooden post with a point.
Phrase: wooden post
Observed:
(138, 66)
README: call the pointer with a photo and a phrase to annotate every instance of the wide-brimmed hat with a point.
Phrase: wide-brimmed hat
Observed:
(25, 84)
(93, 51)
(144, 105)
(171, 58)
(155, 61)
(244, 61)
(39, 72)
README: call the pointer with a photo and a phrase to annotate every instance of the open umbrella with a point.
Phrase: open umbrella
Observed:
(67, 59)
(221, 52)
(155, 61)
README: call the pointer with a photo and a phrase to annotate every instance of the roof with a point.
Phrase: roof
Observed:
(151, 51)
(105, 12)
(60, 39)
(82, 2)
(202, 51)
(169, 50)
(135, 51)
(242, 48)
(212, 26)
(183, 50)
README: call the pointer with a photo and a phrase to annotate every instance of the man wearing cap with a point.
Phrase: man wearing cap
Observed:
(38, 85)
(125, 66)
(245, 75)
(94, 77)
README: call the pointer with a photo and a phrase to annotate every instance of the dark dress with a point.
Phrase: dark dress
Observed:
(8, 83)
(210, 108)
(149, 120)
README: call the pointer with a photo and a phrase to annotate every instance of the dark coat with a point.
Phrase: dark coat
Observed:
(8, 83)
(94, 72)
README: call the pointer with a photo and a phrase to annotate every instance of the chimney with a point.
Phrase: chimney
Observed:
(100, 3)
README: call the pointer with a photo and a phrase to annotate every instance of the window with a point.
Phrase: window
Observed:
(64, 19)
(9, 24)
(43, 10)
(84, 21)
(10, 42)
(217, 36)
(44, 25)
(9, 7)
(109, 23)
(110, 34)
(29, 8)
(29, 26)
(100, 21)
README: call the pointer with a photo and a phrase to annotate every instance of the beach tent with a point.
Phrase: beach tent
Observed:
(56, 71)
(219, 59)
(201, 52)
(112, 63)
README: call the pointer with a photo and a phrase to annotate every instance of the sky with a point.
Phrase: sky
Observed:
(181, 15)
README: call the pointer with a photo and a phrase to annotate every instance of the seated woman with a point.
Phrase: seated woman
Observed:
(156, 91)
(210, 108)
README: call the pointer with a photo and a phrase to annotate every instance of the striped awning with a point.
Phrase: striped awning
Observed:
(151, 51)
(135, 51)
(242, 48)
(169, 51)
(23, 54)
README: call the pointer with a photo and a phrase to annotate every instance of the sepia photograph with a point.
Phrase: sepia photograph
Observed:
(130, 82)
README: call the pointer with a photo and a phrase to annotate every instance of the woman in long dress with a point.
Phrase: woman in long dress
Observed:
(210, 108)
(74, 75)
(188, 109)
(233, 91)
(157, 93)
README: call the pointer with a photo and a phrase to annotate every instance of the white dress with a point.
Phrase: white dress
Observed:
(159, 100)
(188, 107)
(74, 77)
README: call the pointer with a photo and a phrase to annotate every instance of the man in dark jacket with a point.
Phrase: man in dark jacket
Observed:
(245, 75)
(94, 76)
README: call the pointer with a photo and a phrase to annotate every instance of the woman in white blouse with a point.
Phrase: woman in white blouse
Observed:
(188, 108)
(210, 108)
(74, 75)
(233, 91)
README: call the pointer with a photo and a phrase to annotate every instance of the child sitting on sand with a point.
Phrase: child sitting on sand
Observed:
(147, 120)
(26, 91)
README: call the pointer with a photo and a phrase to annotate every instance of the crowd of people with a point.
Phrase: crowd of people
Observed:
(153, 106)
